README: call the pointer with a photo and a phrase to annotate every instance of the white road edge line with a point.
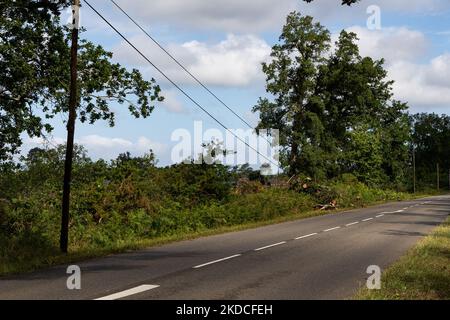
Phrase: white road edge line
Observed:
(331, 229)
(380, 215)
(351, 224)
(368, 219)
(399, 211)
(215, 261)
(271, 245)
(129, 292)
(306, 236)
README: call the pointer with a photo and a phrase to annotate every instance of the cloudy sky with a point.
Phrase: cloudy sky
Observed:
(224, 42)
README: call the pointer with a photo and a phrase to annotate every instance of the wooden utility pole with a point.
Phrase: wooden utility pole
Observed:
(414, 168)
(73, 101)
(437, 176)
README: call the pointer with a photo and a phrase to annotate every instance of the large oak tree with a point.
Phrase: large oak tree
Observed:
(334, 108)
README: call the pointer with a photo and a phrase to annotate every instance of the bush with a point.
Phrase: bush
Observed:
(322, 194)
(245, 186)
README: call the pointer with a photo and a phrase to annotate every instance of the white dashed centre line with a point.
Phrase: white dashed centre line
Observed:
(368, 219)
(271, 245)
(129, 292)
(306, 236)
(215, 261)
(380, 215)
(331, 229)
(351, 224)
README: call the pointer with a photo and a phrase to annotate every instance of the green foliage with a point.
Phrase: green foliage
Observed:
(31, 46)
(291, 78)
(431, 142)
(364, 156)
(246, 186)
(35, 80)
(351, 193)
(334, 109)
(191, 184)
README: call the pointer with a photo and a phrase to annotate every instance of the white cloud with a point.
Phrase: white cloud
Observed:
(39, 141)
(424, 85)
(102, 147)
(144, 144)
(99, 142)
(171, 102)
(113, 146)
(228, 16)
(262, 15)
(392, 44)
(438, 72)
(234, 61)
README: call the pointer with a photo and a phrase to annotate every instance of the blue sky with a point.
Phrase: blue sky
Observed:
(224, 43)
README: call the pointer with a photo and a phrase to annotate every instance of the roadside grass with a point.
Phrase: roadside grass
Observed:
(422, 274)
(39, 249)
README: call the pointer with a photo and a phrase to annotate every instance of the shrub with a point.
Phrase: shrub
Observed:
(245, 186)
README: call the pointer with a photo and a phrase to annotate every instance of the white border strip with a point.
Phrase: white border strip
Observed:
(270, 246)
(331, 229)
(129, 292)
(215, 261)
(306, 236)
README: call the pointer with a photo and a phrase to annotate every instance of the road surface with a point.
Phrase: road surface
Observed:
(323, 257)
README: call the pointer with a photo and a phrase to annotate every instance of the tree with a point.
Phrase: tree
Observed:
(430, 137)
(291, 77)
(35, 59)
(357, 94)
(326, 103)
(57, 88)
(30, 42)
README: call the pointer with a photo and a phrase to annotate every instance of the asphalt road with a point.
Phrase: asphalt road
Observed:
(323, 257)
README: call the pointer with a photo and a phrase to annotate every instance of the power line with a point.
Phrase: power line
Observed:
(174, 83)
(181, 65)
(184, 68)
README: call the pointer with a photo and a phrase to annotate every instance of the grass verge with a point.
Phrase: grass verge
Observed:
(422, 274)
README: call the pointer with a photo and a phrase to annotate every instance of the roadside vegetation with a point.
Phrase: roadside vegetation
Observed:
(422, 274)
(130, 202)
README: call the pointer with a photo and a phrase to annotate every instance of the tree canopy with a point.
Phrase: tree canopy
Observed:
(430, 138)
(35, 59)
(334, 108)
